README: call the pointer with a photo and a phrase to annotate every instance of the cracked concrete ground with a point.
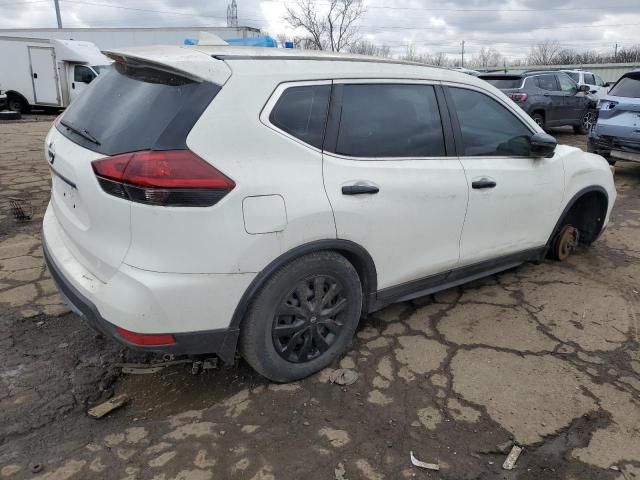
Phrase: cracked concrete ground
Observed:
(545, 356)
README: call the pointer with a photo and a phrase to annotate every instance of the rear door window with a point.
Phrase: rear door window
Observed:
(547, 82)
(390, 120)
(130, 108)
(588, 79)
(487, 127)
(302, 112)
(627, 87)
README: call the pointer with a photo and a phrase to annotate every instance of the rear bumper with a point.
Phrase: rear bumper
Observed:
(149, 302)
(617, 147)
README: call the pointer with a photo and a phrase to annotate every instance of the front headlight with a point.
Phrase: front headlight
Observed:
(607, 105)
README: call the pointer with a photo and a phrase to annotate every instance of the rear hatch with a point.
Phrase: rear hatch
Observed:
(133, 107)
(619, 112)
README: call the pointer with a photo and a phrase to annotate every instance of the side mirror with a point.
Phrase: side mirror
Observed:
(584, 88)
(542, 145)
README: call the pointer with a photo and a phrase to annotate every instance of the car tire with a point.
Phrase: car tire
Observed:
(291, 331)
(539, 119)
(585, 123)
(16, 103)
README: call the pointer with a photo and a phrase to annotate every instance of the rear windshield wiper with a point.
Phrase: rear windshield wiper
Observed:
(83, 132)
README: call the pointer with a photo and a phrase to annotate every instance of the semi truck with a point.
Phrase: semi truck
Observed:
(38, 72)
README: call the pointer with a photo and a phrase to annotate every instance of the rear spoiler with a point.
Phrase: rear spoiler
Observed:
(182, 61)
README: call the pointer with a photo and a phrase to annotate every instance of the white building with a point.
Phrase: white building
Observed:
(109, 38)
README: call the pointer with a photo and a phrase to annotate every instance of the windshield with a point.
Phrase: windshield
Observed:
(627, 87)
(503, 82)
(100, 68)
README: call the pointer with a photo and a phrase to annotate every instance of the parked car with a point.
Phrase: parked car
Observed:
(596, 85)
(3, 100)
(552, 99)
(269, 199)
(616, 134)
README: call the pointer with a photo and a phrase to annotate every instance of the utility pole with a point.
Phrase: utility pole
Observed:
(462, 64)
(615, 54)
(58, 17)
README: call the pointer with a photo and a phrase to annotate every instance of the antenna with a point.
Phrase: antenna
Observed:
(232, 14)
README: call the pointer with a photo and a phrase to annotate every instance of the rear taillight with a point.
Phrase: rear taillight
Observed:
(518, 97)
(176, 178)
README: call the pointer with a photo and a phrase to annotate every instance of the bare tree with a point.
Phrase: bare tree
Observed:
(439, 59)
(544, 53)
(486, 57)
(366, 47)
(333, 27)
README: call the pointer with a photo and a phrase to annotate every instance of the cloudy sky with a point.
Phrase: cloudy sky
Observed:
(510, 26)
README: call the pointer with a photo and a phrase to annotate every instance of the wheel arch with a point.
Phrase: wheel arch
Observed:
(14, 93)
(353, 252)
(593, 198)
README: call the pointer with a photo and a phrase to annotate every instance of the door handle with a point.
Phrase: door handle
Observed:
(483, 183)
(359, 189)
(35, 75)
(73, 85)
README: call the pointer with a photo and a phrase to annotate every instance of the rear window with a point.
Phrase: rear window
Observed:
(130, 108)
(627, 87)
(302, 112)
(504, 82)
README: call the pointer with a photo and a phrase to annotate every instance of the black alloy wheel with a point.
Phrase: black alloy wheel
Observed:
(309, 319)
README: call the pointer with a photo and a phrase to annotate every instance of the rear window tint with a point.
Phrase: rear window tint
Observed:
(390, 120)
(627, 87)
(504, 82)
(128, 108)
(302, 112)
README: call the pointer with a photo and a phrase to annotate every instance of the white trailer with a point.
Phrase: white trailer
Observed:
(48, 73)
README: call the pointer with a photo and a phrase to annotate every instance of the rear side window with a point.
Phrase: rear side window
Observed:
(547, 82)
(488, 128)
(588, 79)
(390, 120)
(129, 108)
(302, 112)
(627, 87)
(504, 82)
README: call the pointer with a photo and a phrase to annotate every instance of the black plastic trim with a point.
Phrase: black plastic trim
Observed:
(221, 342)
(370, 280)
(452, 278)
(63, 178)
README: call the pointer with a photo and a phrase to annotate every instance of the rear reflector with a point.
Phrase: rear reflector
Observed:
(169, 178)
(145, 339)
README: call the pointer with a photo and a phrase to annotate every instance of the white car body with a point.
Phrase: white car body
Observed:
(191, 271)
(593, 80)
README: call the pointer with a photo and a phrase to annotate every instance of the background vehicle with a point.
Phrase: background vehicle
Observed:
(552, 99)
(48, 73)
(616, 135)
(273, 214)
(596, 85)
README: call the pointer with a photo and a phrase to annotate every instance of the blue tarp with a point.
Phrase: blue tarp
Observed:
(245, 42)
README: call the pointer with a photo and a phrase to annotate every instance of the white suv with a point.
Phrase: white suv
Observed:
(595, 83)
(209, 198)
